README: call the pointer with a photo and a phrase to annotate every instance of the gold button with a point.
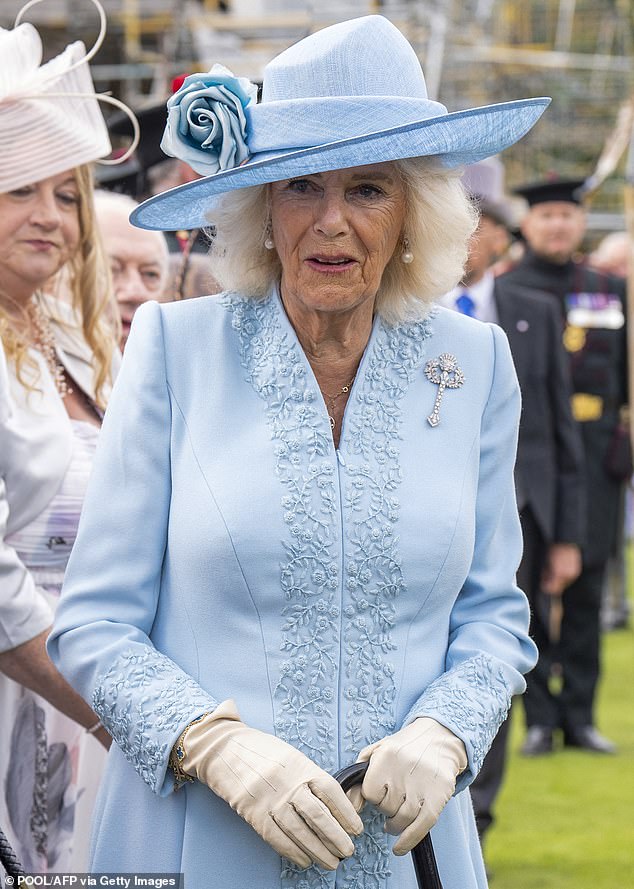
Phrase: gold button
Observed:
(574, 338)
(586, 407)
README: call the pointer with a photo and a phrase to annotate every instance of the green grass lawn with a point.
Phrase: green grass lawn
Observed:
(566, 821)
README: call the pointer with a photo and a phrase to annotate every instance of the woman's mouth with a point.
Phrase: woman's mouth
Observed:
(42, 246)
(330, 263)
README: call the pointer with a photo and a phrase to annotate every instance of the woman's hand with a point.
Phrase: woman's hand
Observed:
(30, 665)
(411, 776)
(297, 807)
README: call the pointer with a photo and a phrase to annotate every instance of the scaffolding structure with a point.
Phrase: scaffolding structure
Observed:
(580, 52)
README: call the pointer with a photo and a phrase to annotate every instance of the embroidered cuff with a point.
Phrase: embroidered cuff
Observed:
(472, 700)
(145, 700)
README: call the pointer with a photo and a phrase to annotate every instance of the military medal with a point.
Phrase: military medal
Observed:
(595, 310)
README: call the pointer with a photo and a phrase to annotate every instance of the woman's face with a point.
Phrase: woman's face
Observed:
(335, 233)
(39, 232)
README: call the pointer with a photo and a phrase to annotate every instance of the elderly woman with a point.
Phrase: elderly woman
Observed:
(300, 543)
(56, 362)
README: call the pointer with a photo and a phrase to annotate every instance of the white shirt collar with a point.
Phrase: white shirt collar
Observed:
(482, 295)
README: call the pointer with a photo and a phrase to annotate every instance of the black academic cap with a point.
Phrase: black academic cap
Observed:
(152, 120)
(554, 189)
(131, 177)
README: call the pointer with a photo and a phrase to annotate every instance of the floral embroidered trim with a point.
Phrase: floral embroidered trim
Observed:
(143, 699)
(311, 573)
(373, 574)
(474, 698)
(305, 711)
(374, 578)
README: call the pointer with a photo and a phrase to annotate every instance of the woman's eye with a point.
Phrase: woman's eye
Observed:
(68, 198)
(151, 276)
(24, 192)
(301, 186)
(368, 191)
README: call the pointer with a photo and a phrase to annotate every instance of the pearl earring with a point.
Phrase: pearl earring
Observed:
(269, 243)
(406, 256)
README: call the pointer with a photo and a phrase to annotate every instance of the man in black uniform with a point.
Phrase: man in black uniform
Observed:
(592, 306)
(549, 476)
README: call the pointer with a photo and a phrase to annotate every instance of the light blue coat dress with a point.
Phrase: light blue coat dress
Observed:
(227, 550)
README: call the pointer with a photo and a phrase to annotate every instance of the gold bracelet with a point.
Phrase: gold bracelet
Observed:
(178, 753)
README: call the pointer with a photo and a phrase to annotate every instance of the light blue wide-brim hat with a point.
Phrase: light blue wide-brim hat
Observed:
(348, 95)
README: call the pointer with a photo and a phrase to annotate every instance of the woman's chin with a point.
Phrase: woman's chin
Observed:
(330, 295)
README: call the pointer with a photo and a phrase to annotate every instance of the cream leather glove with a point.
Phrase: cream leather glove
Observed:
(411, 777)
(298, 808)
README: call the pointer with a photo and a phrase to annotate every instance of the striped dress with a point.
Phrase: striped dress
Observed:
(42, 750)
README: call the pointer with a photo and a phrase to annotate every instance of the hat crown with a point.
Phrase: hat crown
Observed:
(335, 62)
(50, 120)
(485, 179)
(552, 189)
(21, 55)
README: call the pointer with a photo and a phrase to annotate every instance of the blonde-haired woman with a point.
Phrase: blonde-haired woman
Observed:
(56, 370)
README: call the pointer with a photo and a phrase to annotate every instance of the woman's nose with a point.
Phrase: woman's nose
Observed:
(46, 212)
(331, 218)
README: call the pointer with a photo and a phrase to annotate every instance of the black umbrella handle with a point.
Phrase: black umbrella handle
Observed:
(423, 854)
(9, 860)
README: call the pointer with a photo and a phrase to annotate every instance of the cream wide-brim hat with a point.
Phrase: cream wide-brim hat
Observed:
(348, 95)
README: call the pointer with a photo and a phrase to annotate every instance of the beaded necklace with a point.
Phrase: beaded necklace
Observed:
(44, 342)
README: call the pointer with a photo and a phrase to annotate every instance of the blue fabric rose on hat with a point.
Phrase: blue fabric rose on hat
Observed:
(206, 124)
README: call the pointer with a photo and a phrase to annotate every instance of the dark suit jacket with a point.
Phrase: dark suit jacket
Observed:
(550, 467)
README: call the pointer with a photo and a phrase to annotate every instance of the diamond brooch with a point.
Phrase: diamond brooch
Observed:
(444, 373)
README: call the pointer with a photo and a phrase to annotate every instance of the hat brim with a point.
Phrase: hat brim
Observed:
(457, 138)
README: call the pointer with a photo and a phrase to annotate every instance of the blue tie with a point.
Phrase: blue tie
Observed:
(466, 305)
